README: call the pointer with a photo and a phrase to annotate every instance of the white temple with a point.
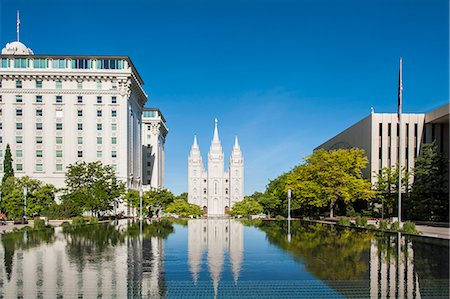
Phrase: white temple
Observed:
(215, 190)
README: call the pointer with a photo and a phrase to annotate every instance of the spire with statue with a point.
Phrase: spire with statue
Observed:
(215, 189)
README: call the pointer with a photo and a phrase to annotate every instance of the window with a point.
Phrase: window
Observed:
(80, 154)
(79, 112)
(1, 139)
(99, 154)
(1, 111)
(19, 167)
(80, 84)
(38, 139)
(59, 154)
(113, 140)
(1, 128)
(40, 63)
(114, 154)
(80, 99)
(19, 153)
(79, 127)
(39, 167)
(18, 112)
(19, 126)
(18, 83)
(113, 113)
(1, 153)
(59, 99)
(38, 99)
(59, 63)
(58, 84)
(21, 63)
(99, 140)
(113, 64)
(38, 126)
(4, 63)
(114, 167)
(99, 84)
(99, 127)
(79, 140)
(114, 84)
(38, 83)
(59, 140)
(148, 113)
(389, 130)
(99, 113)
(59, 167)
(59, 113)
(39, 112)
(113, 100)
(113, 127)
(81, 63)
(59, 126)
(99, 100)
(1, 96)
(38, 153)
(19, 99)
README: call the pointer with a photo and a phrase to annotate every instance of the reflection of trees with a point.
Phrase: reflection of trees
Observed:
(23, 241)
(327, 252)
(90, 243)
(161, 229)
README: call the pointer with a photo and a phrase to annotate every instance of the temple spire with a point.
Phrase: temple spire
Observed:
(216, 132)
(236, 142)
(195, 145)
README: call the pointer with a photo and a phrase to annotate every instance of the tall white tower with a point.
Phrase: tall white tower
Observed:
(236, 174)
(216, 205)
(197, 185)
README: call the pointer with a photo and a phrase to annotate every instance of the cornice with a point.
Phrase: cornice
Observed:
(65, 76)
(60, 91)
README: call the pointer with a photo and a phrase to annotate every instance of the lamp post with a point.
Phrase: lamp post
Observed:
(140, 203)
(289, 204)
(25, 191)
(0, 202)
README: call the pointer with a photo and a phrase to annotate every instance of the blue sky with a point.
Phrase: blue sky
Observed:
(283, 75)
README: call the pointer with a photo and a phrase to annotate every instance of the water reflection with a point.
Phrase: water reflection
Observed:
(216, 237)
(157, 260)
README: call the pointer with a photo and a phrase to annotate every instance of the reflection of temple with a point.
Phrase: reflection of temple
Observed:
(392, 273)
(216, 237)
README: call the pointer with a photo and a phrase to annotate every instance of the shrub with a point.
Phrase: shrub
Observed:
(78, 221)
(409, 228)
(39, 224)
(383, 225)
(93, 220)
(306, 218)
(364, 221)
(371, 226)
(344, 221)
(395, 226)
(279, 217)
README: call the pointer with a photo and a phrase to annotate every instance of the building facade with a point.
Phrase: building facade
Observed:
(154, 132)
(215, 190)
(378, 135)
(56, 110)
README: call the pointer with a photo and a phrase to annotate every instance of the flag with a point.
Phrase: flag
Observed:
(400, 89)
(18, 25)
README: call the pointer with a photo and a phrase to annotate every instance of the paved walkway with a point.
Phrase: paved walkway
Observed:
(434, 232)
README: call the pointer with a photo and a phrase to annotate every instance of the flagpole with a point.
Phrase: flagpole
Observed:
(400, 90)
(18, 26)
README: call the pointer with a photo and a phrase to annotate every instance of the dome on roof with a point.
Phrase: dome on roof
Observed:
(16, 48)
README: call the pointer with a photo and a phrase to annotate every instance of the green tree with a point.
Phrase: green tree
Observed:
(387, 186)
(93, 186)
(329, 176)
(158, 198)
(270, 203)
(8, 170)
(183, 196)
(247, 206)
(429, 197)
(183, 208)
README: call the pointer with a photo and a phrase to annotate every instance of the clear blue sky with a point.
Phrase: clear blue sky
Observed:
(283, 75)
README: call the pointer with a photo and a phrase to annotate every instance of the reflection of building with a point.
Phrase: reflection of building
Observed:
(216, 237)
(154, 132)
(215, 190)
(391, 277)
(377, 135)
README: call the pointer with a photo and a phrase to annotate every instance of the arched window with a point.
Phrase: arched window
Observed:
(204, 190)
(226, 190)
(216, 187)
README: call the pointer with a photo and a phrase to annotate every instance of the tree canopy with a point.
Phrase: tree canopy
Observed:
(8, 170)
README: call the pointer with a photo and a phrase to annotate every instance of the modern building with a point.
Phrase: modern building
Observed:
(378, 135)
(215, 190)
(56, 110)
(154, 132)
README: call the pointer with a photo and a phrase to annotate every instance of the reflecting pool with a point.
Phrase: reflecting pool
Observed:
(221, 258)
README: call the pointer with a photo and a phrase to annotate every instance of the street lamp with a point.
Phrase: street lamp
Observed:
(25, 191)
(140, 203)
(289, 204)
